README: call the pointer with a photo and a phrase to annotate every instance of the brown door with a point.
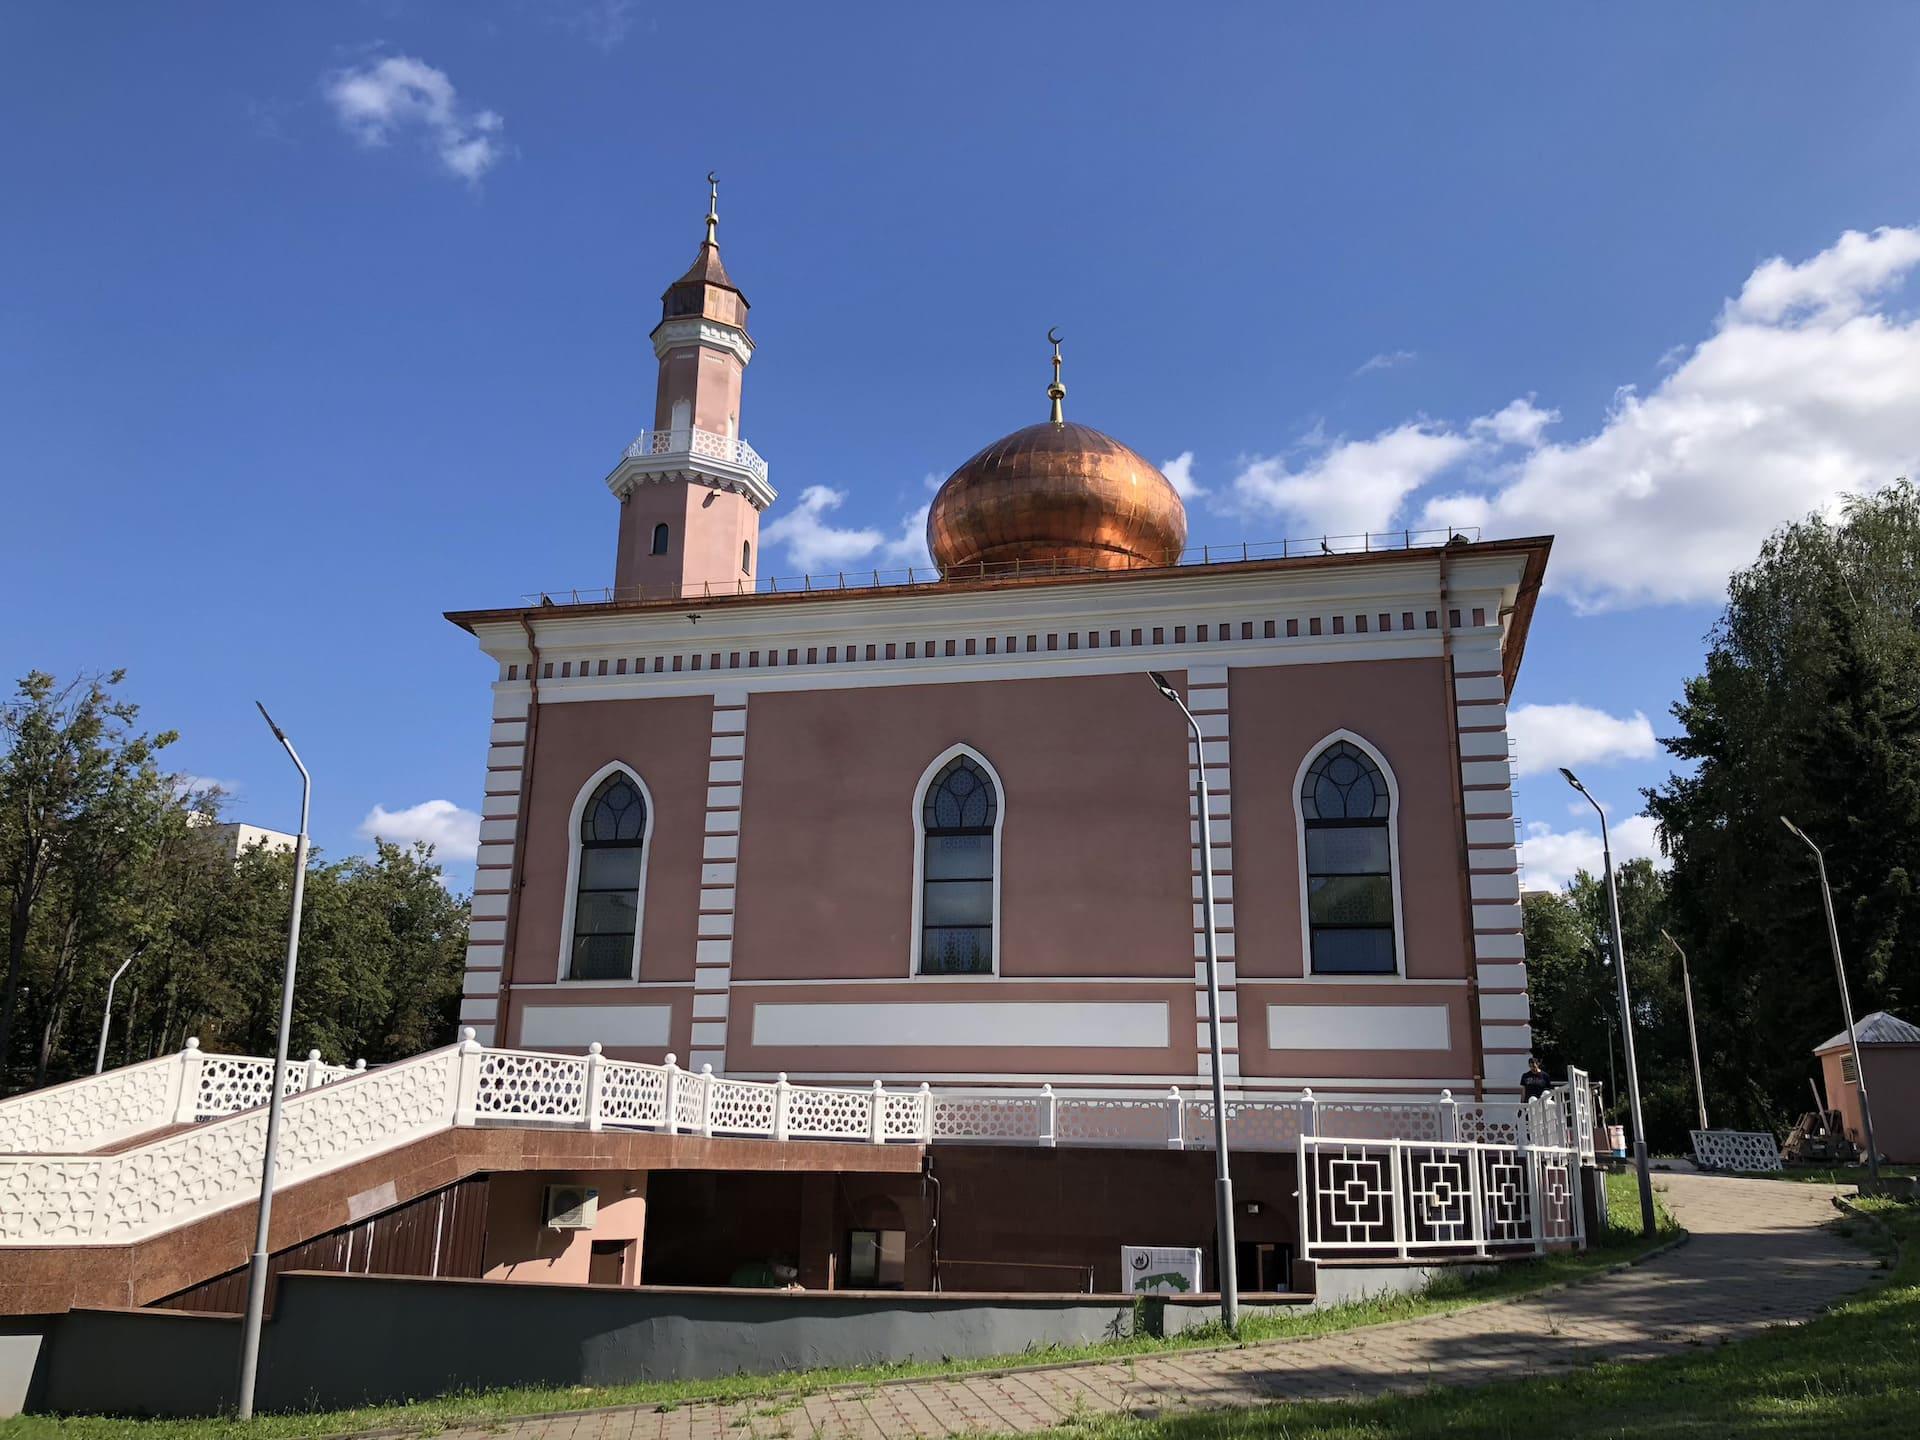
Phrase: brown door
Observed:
(608, 1263)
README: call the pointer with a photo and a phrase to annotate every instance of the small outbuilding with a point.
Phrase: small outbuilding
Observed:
(1890, 1050)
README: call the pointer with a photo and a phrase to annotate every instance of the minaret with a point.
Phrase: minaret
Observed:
(691, 490)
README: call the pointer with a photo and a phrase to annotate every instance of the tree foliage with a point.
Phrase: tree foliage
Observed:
(1809, 707)
(106, 858)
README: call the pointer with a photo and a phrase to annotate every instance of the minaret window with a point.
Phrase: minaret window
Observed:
(959, 865)
(746, 557)
(1346, 819)
(660, 537)
(608, 870)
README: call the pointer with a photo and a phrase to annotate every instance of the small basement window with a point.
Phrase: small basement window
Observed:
(877, 1260)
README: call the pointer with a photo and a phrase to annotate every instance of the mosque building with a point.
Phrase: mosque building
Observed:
(948, 830)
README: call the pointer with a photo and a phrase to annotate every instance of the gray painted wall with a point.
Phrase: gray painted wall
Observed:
(338, 1340)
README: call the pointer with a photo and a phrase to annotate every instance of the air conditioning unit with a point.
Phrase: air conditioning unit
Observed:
(571, 1207)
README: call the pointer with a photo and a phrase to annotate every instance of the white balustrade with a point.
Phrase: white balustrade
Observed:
(1402, 1165)
(708, 444)
(178, 1089)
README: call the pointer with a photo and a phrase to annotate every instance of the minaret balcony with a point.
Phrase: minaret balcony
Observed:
(703, 457)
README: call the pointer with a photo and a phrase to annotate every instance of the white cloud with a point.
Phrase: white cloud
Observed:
(398, 94)
(1386, 360)
(454, 833)
(909, 547)
(1520, 422)
(603, 24)
(1551, 858)
(1803, 394)
(1351, 486)
(812, 545)
(1179, 473)
(1549, 736)
(185, 785)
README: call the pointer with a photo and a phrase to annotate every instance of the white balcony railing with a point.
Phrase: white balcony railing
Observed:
(335, 1117)
(705, 444)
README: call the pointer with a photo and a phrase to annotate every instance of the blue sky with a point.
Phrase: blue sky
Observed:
(322, 319)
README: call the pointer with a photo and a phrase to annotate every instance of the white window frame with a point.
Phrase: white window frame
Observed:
(579, 810)
(940, 762)
(1372, 751)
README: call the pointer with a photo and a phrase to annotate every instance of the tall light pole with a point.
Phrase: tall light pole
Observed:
(1693, 1034)
(106, 1013)
(1846, 1004)
(1223, 1180)
(257, 1266)
(1626, 1017)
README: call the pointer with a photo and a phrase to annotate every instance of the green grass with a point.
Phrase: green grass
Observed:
(1451, 1291)
(1852, 1374)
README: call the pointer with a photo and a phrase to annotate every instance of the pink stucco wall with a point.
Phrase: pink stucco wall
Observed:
(665, 743)
(521, 1247)
(1893, 1085)
(1279, 714)
(1095, 854)
(706, 529)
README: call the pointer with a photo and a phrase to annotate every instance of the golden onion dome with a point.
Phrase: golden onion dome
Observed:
(1059, 493)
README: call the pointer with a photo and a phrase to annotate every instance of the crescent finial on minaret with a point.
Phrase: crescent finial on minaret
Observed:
(713, 208)
(1056, 392)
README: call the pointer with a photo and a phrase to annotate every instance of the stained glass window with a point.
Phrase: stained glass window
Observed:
(1344, 805)
(606, 905)
(956, 901)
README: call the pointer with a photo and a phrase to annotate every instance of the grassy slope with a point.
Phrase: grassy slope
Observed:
(426, 1416)
(1853, 1374)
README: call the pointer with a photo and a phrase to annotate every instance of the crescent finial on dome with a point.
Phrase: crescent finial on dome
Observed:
(1056, 392)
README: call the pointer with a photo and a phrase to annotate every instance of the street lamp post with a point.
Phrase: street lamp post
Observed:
(106, 1013)
(1846, 1004)
(1693, 1034)
(1626, 1017)
(1223, 1180)
(257, 1266)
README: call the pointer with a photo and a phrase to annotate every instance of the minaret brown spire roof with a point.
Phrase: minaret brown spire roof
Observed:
(686, 296)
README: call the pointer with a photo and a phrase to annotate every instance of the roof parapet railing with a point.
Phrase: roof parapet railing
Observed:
(915, 576)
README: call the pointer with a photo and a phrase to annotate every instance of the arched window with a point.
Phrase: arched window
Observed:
(660, 536)
(609, 866)
(958, 871)
(746, 556)
(1346, 818)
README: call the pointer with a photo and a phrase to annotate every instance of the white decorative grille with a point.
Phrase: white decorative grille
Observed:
(1383, 1120)
(1735, 1150)
(1096, 1120)
(689, 1101)
(1405, 1197)
(632, 1094)
(816, 1111)
(741, 1107)
(999, 1118)
(906, 1115)
(520, 1086)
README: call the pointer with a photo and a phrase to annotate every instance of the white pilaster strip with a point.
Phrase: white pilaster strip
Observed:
(1207, 698)
(713, 952)
(1499, 952)
(494, 867)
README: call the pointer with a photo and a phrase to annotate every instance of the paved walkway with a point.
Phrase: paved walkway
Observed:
(1763, 1252)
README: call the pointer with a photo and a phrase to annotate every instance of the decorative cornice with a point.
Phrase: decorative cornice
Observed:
(635, 471)
(684, 330)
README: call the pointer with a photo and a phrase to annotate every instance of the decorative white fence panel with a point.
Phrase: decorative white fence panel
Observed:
(1736, 1150)
(101, 1110)
(1403, 1198)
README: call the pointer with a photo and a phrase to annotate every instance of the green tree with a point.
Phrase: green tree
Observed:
(1809, 706)
(76, 782)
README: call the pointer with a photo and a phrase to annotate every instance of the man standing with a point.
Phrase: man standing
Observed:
(1534, 1083)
